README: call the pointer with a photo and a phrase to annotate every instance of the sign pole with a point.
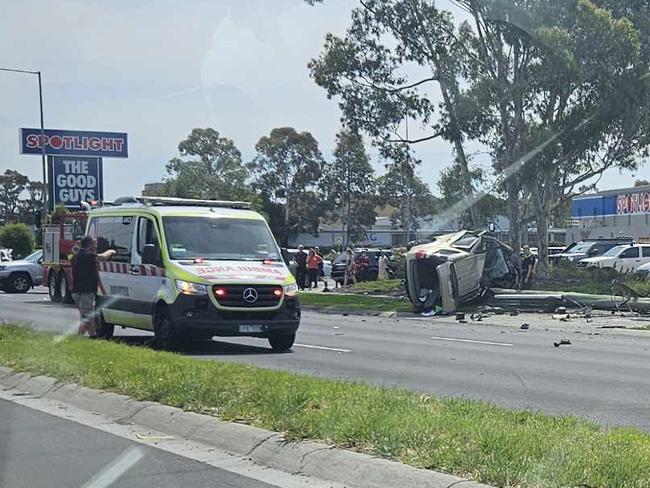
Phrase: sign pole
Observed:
(45, 189)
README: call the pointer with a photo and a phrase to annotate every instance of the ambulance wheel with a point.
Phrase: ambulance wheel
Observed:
(103, 330)
(53, 287)
(64, 289)
(166, 336)
(282, 342)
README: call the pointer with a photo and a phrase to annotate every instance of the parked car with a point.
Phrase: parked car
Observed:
(21, 275)
(588, 248)
(624, 258)
(369, 274)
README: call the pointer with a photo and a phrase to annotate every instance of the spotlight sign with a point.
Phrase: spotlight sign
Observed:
(74, 143)
(74, 180)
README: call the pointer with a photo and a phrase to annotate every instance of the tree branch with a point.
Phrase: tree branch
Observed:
(415, 141)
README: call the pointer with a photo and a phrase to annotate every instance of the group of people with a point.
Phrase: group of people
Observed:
(309, 267)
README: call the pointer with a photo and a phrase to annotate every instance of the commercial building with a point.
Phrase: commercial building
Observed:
(612, 213)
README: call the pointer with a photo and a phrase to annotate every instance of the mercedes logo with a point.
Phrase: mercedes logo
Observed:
(250, 295)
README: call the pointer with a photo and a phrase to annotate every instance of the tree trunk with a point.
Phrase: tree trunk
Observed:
(461, 157)
(514, 216)
(541, 218)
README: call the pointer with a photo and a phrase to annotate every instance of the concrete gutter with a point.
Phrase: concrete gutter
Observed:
(315, 459)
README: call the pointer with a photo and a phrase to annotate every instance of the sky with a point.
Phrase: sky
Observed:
(158, 68)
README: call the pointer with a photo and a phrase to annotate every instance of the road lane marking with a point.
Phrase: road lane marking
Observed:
(116, 469)
(323, 348)
(453, 339)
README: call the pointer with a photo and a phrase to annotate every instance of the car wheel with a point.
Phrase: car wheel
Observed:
(102, 328)
(166, 336)
(19, 283)
(282, 342)
(53, 287)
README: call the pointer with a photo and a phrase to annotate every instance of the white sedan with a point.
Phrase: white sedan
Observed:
(624, 258)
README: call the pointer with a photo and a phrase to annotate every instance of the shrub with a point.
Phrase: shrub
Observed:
(17, 237)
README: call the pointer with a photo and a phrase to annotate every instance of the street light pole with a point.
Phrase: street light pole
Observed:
(45, 192)
(43, 157)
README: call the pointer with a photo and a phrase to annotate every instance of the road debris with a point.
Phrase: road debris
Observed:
(563, 342)
(525, 326)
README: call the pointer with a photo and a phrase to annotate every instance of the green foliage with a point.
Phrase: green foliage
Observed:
(12, 186)
(402, 189)
(17, 237)
(456, 435)
(210, 167)
(59, 213)
(286, 171)
(348, 186)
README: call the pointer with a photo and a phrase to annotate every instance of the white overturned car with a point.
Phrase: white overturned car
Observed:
(21, 275)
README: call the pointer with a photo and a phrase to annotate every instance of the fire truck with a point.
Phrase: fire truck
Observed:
(60, 241)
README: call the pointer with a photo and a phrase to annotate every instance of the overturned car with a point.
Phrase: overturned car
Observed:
(456, 268)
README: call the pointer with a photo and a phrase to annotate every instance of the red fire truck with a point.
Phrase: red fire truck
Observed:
(59, 244)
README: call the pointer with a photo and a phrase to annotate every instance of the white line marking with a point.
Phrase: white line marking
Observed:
(472, 341)
(117, 468)
(323, 347)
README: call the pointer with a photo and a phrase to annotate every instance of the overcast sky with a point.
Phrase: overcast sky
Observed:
(157, 68)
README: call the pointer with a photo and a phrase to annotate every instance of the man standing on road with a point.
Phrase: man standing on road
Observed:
(382, 265)
(350, 269)
(85, 279)
(301, 267)
(528, 262)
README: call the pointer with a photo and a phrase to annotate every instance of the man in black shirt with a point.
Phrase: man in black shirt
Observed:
(528, 262)
(301, 267)
(85, 278)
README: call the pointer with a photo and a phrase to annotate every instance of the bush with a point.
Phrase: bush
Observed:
(17, 237)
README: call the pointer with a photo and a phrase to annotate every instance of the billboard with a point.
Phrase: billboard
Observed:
(75, 179)
(74, 143)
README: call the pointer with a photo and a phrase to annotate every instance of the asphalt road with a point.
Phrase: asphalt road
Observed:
(602, 377)
(38, 450)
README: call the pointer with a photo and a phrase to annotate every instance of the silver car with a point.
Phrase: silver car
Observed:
(21, 275)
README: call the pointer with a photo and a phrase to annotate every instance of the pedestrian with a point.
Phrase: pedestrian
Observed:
(85, 279)
(528, 262)
(313, 262)
(301, 267)
(382, 266)
(364, 266)
(350, 268)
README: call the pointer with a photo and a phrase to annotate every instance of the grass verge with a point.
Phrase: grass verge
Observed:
(354, 303)
(467, 438)
(386, 287)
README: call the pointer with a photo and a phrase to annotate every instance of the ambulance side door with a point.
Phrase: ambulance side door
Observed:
(115, 287)
(148, 278)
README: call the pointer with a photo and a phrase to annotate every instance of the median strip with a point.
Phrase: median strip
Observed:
(454, 435)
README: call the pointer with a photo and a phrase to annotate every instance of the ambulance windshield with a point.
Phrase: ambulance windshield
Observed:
(219, 239)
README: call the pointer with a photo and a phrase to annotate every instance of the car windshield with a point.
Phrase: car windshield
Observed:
(219, 239)
(582, 247)
(34, 257)
(614, 251)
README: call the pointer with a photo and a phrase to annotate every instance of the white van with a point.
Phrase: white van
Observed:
(191, 270)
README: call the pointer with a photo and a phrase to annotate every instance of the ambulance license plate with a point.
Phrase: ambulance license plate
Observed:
(251, 328)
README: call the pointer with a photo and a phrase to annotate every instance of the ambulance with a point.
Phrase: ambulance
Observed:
(188, 270)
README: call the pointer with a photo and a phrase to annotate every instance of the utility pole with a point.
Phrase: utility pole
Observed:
(42, 141)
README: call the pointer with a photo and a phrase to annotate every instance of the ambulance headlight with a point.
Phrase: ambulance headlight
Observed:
(291, 290)
(189, 288)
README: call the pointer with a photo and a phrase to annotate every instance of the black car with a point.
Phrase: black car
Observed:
(368, 274)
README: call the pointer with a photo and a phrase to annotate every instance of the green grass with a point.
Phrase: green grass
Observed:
(467, 438)
(378, 287)
(354, 303)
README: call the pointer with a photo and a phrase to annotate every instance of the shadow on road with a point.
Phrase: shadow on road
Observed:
(205, 348)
